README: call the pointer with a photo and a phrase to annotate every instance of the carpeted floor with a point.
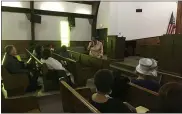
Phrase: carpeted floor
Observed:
(51, 104)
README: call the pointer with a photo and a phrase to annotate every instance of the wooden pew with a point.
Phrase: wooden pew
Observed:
(163, 76)
(20, 105)
(81, 74)
(49, 82)
(139, 96)
(85, 92)
(75, 55)
(90, 61)
(168, 77)
(15, 84)
(73, 102)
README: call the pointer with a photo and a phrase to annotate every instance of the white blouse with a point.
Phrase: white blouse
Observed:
(53, 64)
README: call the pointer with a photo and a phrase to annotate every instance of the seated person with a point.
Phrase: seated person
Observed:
(54, 64)
(11, 63)
(64, 52)
(171, 98)
(37, 52)
(51, 63)
(96, 48)
(120, 86)
(51, 47)
(14, 66)
(147, 71)
(103, 81)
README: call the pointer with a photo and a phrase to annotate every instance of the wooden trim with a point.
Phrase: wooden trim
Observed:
(32, 20)
(144, 89)
(82, 2)
(95, 9)
(64, 14)
(45, 12)
(67, 59)
(179, 18)
(159, 72)
(78, 96)
(15, 9)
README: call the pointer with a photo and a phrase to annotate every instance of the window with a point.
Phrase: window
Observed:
(65, 33)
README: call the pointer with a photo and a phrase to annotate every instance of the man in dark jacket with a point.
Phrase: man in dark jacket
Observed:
(14, 66)
(11, 63)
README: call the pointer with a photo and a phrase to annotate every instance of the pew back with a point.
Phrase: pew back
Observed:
(72, 101)
(84, 60)
(81, 74)
(166, 77)
(139, 96)
(20, 105)
(75, 55)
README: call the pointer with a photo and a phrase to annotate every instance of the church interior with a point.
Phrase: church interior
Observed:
(91, 57)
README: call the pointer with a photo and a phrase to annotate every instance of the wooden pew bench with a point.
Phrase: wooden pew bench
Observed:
(15, 84)
(168, 77)
(75, 55)
(81, 74)
(19, 105)
(50, 82)
(139, 96)
(73, 102)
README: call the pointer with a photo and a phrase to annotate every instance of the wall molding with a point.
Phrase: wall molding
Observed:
(45, 12)
(15, 9)
(63, 14)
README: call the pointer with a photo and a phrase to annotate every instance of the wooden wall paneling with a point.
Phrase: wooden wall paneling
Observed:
(166, 53)
(179, 18)
(22, 44)
(19, 44)
(177, 57)
(151, 43)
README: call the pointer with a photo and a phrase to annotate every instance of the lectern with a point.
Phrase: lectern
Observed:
(115, 47)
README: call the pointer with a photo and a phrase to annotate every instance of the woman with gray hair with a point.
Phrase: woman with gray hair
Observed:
(147, 72)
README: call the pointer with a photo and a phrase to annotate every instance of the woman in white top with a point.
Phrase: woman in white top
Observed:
(51, 63)
(96, 48)
(54, 64)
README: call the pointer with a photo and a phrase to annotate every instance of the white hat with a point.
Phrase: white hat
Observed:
(147, 66)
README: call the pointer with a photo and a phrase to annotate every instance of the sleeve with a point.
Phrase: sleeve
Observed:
(89, 45)
(101, 49)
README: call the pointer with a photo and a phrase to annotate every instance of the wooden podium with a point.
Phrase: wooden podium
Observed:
(115, 47)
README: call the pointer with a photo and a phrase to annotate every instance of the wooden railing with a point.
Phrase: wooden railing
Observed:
(144, 89)
(69, 93)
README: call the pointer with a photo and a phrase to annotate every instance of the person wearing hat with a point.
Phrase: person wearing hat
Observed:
(147, 71)
(96, 48)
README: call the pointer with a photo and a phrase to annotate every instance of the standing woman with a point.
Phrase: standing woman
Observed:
(96, 48)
